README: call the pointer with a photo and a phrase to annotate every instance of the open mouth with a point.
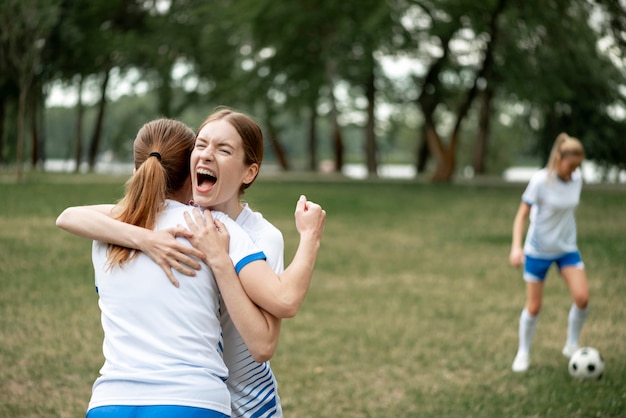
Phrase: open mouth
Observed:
(205, 179)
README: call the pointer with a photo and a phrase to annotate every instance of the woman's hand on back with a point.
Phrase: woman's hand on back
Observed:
(169, 253)
(210, 237)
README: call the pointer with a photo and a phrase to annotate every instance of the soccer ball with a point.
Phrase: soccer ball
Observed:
(586, 363)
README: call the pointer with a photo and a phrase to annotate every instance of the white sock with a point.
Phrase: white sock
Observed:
(576, 319)
(527, 327)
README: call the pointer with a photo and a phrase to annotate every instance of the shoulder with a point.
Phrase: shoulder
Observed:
(260, 229)
(539, 176)
(537, 180)
(232, 226)
(173, 214)
(254, 222)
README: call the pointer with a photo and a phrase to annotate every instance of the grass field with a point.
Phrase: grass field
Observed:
(412, 312)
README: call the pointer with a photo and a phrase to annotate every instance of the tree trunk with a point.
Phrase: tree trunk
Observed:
(370, 134)
(427, 101)
(482, 141)
(165, 93)
(97, 132)
(313, 139)
(36, 116)
(446, 155)
(34, 139)
(3, 115)
(78, 127)
(331, 73)
(21, 115)
(423, 153)
(278, 148)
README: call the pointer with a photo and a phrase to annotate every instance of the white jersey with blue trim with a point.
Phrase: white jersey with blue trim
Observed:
(253, 387)
(162, 344)
(553, 203)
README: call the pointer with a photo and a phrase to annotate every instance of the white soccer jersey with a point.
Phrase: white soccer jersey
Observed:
(162, 344)
(252, 386)
(553, 202)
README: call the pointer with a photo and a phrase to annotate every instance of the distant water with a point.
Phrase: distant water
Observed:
(68, 166)
(395, 171)
(591, 172)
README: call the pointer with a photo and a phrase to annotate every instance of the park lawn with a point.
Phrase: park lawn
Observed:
(412, 311)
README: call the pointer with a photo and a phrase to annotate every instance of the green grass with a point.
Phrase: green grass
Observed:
(412, 311)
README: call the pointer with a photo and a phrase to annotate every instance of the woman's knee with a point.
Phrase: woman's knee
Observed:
(533, 307)
(577, 282)
(581, 300)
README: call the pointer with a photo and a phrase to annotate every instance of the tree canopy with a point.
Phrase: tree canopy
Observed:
(485, 83)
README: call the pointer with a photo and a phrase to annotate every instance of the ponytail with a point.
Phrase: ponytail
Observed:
(144, 199)
(162, 150)
(563, 147)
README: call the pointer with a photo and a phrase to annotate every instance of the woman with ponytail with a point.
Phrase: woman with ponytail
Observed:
(550, 201)
(163, 344)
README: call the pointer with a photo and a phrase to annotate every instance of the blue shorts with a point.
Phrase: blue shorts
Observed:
(152, 411)
(536, 269)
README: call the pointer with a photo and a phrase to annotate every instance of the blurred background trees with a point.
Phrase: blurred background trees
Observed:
(444, 85)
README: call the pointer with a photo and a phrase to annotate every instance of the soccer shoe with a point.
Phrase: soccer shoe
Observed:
(570, 349)
(521, 363)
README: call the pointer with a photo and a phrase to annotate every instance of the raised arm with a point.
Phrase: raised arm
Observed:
(516, 256)
(282, 295)
(96, 222)
(259, 329)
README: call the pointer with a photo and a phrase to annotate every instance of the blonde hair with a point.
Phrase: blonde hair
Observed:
(162, 150)
(565, 146)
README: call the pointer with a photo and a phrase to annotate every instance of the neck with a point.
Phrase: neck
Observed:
(182, 196)
(231, 209)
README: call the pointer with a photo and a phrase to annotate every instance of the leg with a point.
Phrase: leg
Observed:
(530, 316)
(535, 270)
(528, 325)
(576, 280)
(534, 293)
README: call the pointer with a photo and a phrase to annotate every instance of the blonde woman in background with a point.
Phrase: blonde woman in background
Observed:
(550, 202)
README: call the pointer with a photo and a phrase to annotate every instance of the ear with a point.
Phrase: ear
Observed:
(251, 173)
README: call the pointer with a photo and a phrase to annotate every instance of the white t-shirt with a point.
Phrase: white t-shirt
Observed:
(552, 230)
(162, 344)
(253, 388)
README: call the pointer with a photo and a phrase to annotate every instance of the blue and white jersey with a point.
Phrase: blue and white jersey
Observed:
(252, 386)
(553, 202)
(162, 344)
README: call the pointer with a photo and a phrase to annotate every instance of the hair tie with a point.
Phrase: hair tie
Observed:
(155, 154)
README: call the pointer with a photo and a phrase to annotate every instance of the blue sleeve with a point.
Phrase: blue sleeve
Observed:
(248, 259)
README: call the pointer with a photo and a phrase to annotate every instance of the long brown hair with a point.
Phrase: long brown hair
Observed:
(250, 133)
(162, 150)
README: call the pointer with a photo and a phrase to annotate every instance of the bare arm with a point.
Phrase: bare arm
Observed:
(282, 295)
(516, 257)
(97, 223)
(259, 329)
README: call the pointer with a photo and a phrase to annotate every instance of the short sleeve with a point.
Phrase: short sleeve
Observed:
(242, 249)
(532, 190)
